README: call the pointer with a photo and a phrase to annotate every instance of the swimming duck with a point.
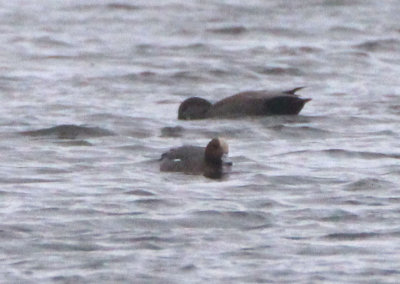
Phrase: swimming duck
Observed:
(209, 161)
(250, 103)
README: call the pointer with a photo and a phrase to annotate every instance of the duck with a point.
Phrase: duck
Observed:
(248, 103)
(210, 161)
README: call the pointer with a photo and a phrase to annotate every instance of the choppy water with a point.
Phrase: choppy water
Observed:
(313, 198)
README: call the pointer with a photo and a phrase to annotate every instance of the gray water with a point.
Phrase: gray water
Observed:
(312, 198)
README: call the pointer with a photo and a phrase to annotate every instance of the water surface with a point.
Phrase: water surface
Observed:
(312, 198)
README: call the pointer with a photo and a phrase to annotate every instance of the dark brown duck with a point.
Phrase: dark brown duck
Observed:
(250, 103)
(209, 161)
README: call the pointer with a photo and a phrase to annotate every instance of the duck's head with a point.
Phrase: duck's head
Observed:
(193, 108)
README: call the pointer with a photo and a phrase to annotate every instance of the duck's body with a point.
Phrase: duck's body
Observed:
(208, 161)
(250, 103)
(189, 159)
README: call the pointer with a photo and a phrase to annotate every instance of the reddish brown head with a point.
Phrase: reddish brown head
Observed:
(216, 150)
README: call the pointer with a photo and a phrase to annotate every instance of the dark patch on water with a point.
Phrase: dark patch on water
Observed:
(139, 192)
(22, 180)
(122, 6)
(155, 203)
(111, 6)
(188, 267)
(279, 71)
(64, 246)
(298, 50)
(75, 143)
(69, 131)
(235, 30)
(69, 279)
(284, 32)
(172, 131)
(388, 45)
(46, 41)
(352, 236)
(188, 75)
(369, 184)
(340, 215)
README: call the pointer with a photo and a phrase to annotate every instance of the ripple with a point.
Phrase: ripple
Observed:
(59, 246)
(226, 219)
(301, 131)
(298, 180)
(341, 153)
(340, 215)
(110, 6)
(346, 30)
(324, 215)
(279, 71)
(139, 192)
(380, 45)
(321, 250)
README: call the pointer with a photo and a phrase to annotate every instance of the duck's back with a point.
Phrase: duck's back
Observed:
(258, 103)
(189, 159)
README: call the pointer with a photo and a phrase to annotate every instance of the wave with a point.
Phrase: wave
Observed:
(360, 154)
(226, 219)
(380, 45)
(342, 153)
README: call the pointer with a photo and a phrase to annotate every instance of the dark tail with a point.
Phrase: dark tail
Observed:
(293, 91)
(285, 105)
